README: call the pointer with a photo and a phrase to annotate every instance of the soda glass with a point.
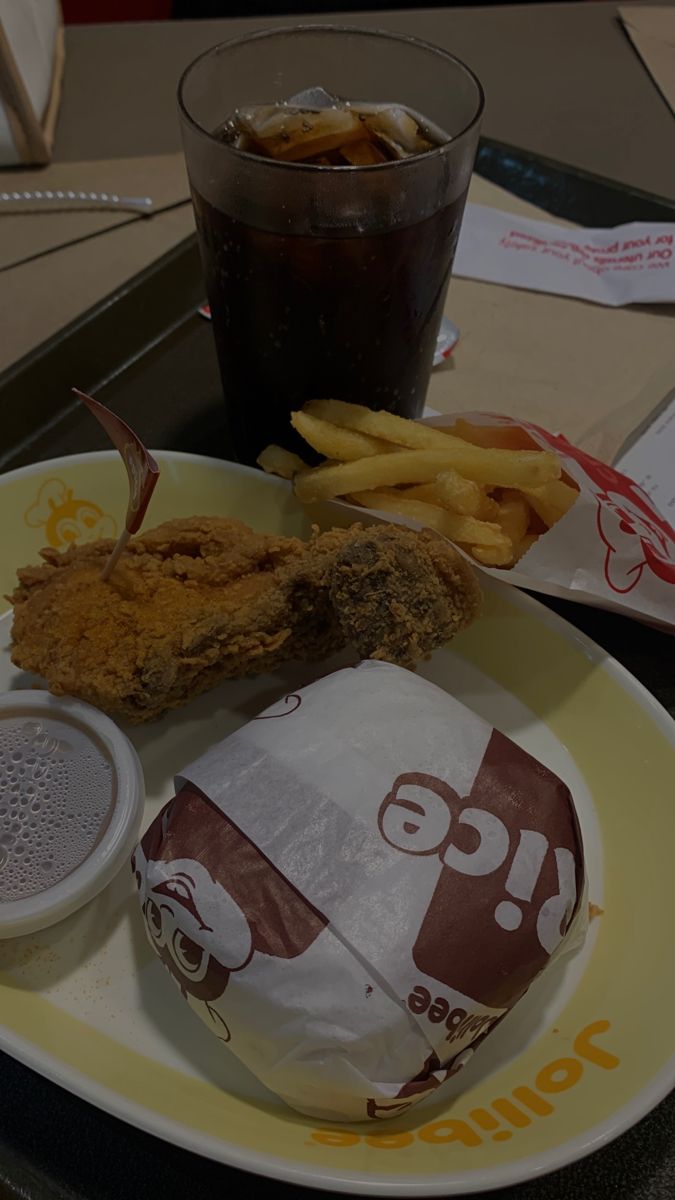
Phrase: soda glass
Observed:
(326, 281)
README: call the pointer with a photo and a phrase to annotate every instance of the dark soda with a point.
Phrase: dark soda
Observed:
(345, 315)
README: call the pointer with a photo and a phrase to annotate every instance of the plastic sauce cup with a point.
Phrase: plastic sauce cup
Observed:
(71, 802)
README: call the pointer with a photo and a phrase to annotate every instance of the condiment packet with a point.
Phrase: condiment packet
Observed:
(448, 337)
(613, 549)
(355, 888)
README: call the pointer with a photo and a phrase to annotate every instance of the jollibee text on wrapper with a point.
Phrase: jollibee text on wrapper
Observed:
(356, 887)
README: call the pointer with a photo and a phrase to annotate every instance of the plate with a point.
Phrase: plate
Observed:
(584, 1055)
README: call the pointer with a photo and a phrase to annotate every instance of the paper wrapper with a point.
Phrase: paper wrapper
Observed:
(353, 889)
(613, 549)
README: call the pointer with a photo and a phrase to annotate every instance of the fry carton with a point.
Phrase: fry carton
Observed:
(356, 887)
(613, 549)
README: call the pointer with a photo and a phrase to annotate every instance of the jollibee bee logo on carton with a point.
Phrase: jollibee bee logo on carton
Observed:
(634, 535)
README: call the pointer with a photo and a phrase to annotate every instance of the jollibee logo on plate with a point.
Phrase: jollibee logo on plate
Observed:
(66, 519)
(507, 1115)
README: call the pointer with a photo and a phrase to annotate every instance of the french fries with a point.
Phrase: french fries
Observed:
(488, 509)
(429, 493)
(378, 424)
(460, 529)
(461, 495)
(552, 500)
(496, 437)
(487, 488)
(277, 461)
(513, 515)
(526, 544)
(451, 491)
(494, 556)
(506, 468)
(413, 435)
(330, 440)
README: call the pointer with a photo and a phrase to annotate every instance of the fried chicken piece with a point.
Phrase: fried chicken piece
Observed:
(203, 599)
(400, 594)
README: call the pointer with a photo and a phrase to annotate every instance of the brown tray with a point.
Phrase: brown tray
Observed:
(147, 354)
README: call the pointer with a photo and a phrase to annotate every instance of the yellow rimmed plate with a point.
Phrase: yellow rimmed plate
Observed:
(586, 1053)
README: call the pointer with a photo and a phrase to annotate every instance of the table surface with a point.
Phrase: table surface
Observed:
(561, 80)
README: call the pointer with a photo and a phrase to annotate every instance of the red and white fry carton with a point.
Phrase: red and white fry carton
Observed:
(613, 549)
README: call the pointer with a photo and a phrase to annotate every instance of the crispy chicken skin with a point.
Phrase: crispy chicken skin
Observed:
(203, 599)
